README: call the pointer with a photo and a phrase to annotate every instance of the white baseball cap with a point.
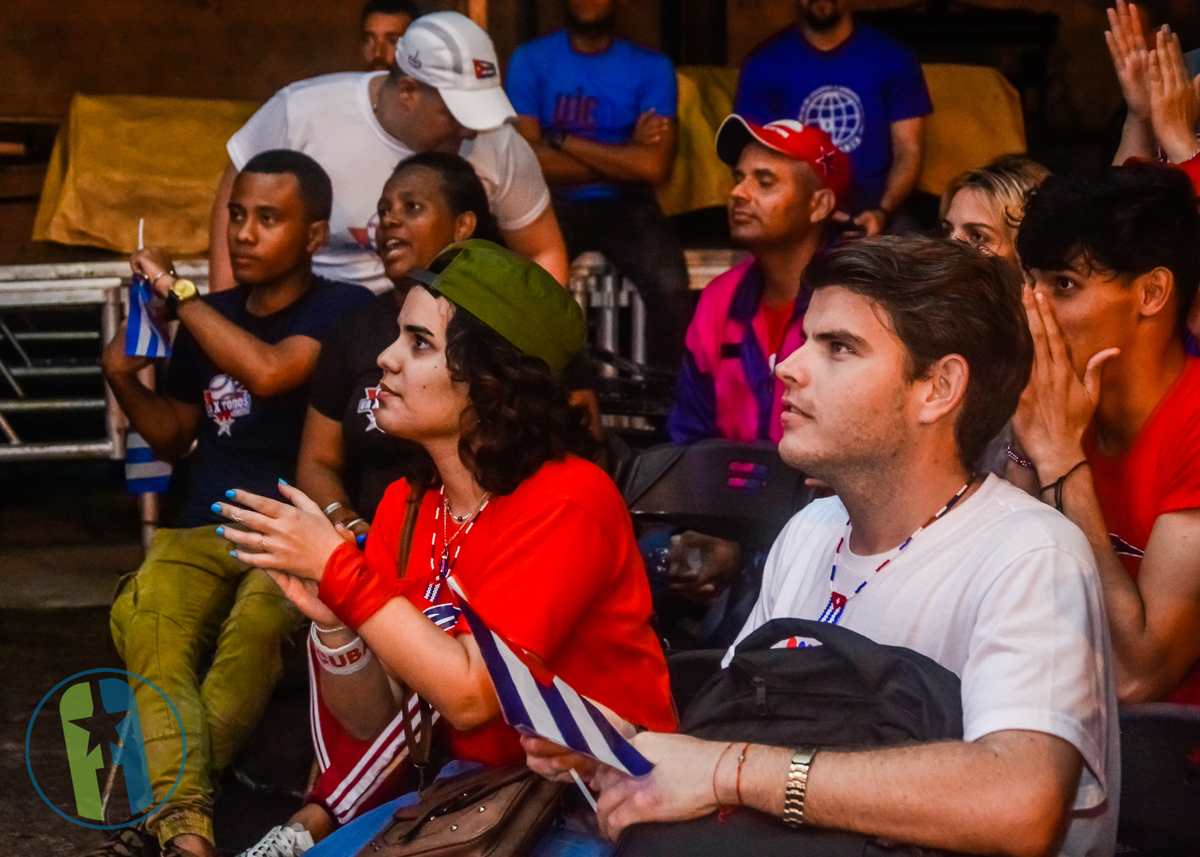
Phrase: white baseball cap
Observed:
(453, 54)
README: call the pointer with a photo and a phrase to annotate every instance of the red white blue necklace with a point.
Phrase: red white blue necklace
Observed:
(444, 568)
(837, 601)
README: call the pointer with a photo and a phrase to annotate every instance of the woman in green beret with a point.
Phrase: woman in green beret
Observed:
(537, 538)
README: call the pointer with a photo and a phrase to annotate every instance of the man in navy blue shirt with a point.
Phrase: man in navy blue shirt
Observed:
(235, 386)
(600, 114)
(855, 83)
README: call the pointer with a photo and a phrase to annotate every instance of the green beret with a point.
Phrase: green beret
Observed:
(511, 295)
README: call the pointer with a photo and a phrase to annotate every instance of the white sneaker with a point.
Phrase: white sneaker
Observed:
(290, 841)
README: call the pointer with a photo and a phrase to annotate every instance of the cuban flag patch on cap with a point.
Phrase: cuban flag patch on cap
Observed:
(484, 69)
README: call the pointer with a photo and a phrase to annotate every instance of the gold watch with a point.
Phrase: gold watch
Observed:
(181, 290)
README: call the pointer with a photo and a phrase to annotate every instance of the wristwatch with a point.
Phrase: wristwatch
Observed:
(181, 290)
(797, 786)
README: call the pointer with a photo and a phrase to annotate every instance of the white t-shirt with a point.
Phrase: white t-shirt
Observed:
(1003, 591)
(330, 119)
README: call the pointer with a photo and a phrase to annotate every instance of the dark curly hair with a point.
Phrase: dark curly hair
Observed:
(520, 417)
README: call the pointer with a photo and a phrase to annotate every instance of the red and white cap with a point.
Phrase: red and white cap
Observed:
(453, 54)
(794, 139)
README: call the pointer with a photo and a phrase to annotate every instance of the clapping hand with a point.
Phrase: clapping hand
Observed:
(294, 538)
(1130, 55)
(1174, 98)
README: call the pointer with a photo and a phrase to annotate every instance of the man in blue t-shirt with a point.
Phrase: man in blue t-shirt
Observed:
(600, 115)
(235, 387)
(858, 85)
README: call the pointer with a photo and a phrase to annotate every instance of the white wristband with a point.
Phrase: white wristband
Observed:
(343, 660)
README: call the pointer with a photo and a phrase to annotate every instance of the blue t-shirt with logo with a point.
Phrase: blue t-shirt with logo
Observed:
(853, 92)
(245, 441)
(595, 96)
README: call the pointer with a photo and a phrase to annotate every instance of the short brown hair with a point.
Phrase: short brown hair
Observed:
(944, 297)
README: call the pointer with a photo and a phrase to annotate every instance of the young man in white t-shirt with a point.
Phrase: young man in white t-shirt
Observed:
(916, 354)
(443, 94)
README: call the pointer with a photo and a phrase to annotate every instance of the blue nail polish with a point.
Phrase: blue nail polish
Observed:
(220, 531)
(284, 481)
(360, 540)
(233, 554)
(216, 507)
(230, 493)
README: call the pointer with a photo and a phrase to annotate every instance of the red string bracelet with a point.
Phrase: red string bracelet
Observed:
(717, 768)
(741, 759)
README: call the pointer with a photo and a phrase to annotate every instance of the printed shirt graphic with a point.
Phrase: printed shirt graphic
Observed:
(1159, 475)
(246, 441)
(368, 405)
(854, 92)
(595, 96)
(224, 401)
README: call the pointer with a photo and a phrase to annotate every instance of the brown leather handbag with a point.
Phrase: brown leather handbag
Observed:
(494, 812)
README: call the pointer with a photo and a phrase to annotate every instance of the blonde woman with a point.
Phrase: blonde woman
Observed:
(983, 207)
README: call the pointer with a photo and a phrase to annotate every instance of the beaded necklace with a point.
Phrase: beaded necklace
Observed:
(837, 601)
(443, 569)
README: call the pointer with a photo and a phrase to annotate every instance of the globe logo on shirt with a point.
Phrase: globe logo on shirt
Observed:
(838, 112)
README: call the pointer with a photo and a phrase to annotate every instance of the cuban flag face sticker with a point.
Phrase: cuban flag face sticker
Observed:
(368, 405)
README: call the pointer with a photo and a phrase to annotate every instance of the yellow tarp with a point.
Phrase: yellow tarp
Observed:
(976, 116)
(120, 158)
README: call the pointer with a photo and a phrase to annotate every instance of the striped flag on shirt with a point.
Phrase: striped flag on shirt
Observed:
(144, 474)
(146, 335)
(536, 701)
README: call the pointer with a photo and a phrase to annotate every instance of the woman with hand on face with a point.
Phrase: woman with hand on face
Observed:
(537, 539)
(347, 462)
(984, 206)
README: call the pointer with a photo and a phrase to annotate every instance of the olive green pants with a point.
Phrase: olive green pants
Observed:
(189, 603)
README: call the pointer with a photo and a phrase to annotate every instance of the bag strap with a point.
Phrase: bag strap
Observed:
(420, 748)
(416, 493)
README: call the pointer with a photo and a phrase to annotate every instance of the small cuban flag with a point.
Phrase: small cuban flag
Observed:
(144, 474)
(537, 702)
(146, 335)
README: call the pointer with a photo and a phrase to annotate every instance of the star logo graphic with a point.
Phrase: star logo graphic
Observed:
(824, 159)
(101, 726)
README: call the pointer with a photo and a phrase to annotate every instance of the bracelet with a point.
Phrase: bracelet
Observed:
(350, 525)
(161, 274)
(343, 660)
(797, 785)
(331, 508)
(328, 630)
(738, 784)
(720, 759)
(1016, 458)
(1058, 484)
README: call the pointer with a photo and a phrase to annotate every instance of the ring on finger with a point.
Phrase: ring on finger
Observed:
(262, 543)
(236, 518)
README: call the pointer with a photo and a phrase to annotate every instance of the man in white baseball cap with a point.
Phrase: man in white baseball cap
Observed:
(443, 94)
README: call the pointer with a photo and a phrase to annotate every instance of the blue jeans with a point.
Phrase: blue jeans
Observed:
(349, 840)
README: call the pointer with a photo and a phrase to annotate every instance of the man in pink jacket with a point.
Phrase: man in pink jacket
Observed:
(789, 179)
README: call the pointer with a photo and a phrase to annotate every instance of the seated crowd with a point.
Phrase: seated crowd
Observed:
(1003, 423)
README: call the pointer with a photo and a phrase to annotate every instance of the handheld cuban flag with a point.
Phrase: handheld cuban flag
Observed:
(144, 474)
(537, 702)
(146, 335)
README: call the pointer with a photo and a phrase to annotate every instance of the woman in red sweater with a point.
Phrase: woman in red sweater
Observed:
(537, 538)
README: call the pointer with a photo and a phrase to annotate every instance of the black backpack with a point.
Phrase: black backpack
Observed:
(846, 692)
